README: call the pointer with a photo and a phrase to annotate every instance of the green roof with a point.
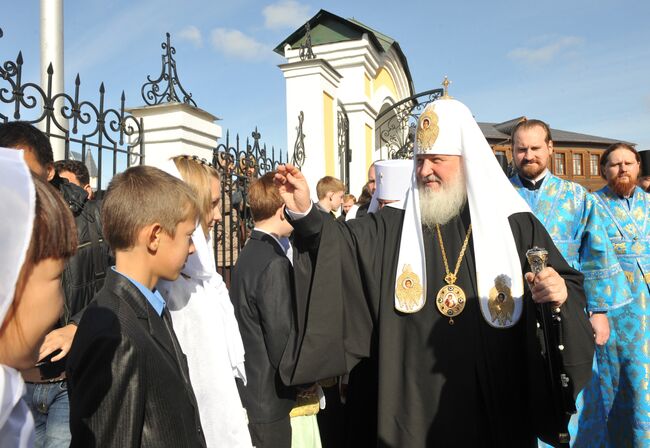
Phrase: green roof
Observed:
(385, 41)
(328, 28)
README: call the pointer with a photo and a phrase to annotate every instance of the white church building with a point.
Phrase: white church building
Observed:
(341, 75)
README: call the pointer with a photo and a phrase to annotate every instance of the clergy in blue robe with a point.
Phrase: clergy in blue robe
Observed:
(626, 355)
(575, 222)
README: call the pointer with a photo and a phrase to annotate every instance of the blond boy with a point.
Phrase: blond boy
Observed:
(330, 191)
(127, 376)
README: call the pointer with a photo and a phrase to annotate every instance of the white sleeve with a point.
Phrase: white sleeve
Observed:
(297, 215)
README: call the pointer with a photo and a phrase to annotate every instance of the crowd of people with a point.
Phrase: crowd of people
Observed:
(414, 317)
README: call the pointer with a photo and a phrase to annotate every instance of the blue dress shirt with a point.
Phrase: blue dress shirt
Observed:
(154, 297)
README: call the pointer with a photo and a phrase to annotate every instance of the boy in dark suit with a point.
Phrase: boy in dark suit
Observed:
(262, 291)
(330, 191)
(127, 376)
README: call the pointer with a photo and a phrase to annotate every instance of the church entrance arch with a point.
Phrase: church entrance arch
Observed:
(395, 124)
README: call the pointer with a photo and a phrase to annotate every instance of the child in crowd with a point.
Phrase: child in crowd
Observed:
(348, 203)
(330, 191)
(204, 318)
(37, 235)
(128, 379)
(262, 292)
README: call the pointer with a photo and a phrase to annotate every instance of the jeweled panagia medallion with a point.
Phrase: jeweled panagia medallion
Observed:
(451, 298)
(450, 301)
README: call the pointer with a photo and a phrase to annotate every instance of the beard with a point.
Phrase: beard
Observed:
(623, 185)
(531, 171)
(439, 207)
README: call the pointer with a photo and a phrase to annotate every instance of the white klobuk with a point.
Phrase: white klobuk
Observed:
(447, 127)
(393, 181)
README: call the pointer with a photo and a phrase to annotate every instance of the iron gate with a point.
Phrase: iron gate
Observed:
(93, 132)
(238, 168)
(396, 125)
(96, 132)
(345, 155)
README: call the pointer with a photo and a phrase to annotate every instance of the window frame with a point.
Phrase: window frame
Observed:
(582, 164)
(562, 155)
(597, 173)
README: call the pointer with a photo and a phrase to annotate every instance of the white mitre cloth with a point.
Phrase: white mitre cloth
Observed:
(17, 208)
(447, 127)
(393, 180)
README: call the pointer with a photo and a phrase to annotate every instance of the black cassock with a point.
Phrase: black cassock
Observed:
(442, 385)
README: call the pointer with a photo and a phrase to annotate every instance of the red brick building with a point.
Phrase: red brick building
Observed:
(575, 156)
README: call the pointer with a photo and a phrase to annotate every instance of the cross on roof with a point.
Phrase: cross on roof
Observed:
(445, 84)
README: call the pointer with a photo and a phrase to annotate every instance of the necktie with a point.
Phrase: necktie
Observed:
(167, 319)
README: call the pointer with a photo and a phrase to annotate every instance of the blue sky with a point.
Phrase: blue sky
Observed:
(583, 66)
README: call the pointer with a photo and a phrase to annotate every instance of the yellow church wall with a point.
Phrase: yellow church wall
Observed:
(328, 129)
(368, 146)
(385, 79)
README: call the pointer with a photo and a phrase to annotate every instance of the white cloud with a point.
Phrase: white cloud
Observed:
(285, 14)
(133, 23)
(237, 44)
(546, 53)
(191, 34)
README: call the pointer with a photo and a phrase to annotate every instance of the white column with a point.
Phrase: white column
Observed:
(52, 52)
(312, 88)
(362, 143)
(173, 129)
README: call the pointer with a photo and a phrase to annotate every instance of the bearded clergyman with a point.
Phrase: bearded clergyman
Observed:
(625, 358)
(441, 294)
(576, 223)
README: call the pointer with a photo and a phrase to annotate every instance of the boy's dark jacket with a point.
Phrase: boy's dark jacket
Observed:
(124, 380)
(262, 293)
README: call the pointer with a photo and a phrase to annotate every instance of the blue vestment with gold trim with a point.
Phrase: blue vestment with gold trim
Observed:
(576, 223)
(627, 398)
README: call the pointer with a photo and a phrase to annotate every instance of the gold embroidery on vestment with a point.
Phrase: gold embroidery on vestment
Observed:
(428, 130)
(501, 304)
(408, 291)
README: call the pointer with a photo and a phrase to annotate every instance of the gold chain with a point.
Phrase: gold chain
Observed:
(450, 278)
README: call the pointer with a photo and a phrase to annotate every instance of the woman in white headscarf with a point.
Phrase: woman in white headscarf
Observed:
(204, 319)
(37, 234)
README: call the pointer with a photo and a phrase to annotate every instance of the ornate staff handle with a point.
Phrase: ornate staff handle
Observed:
(537, 258)
(551, 327)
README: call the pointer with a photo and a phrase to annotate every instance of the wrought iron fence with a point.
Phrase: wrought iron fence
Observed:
(298, 157)
(151, 91)
(395, 126)
(345, 155)
(238, 167)
(91, 131)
